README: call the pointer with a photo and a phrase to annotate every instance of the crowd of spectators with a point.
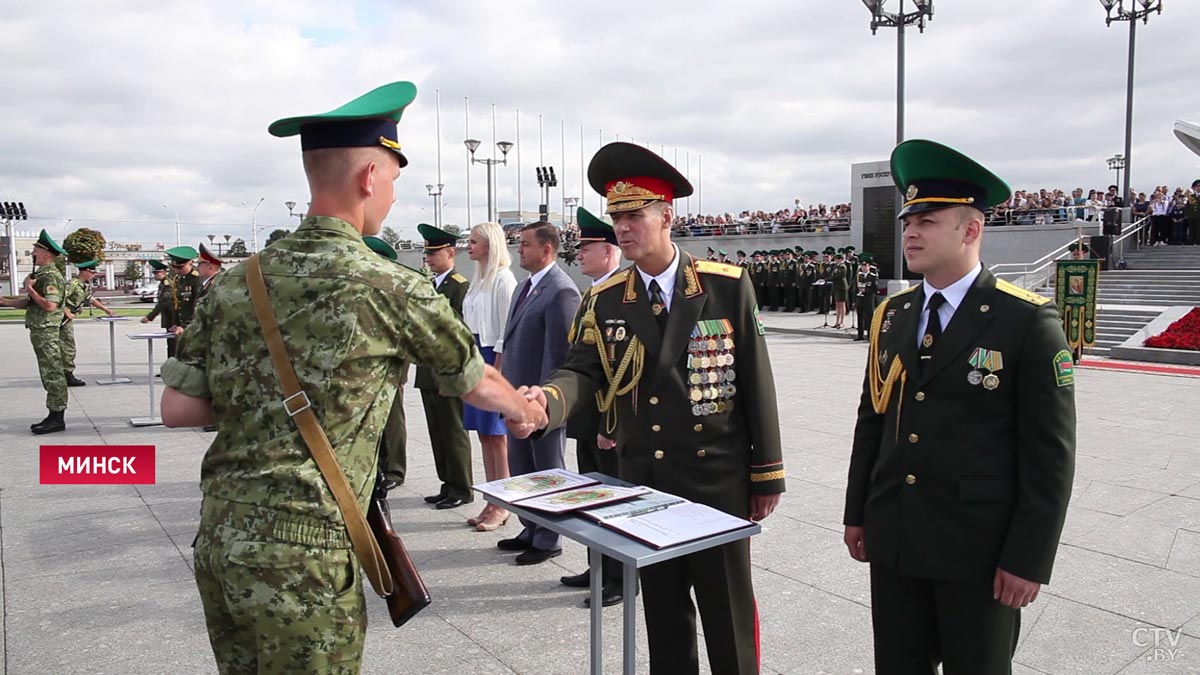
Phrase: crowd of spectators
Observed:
(816, 218)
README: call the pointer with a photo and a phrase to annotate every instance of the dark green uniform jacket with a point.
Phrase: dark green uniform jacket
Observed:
(454, 288)
(184, 292)
(968, 465)
(702, 421)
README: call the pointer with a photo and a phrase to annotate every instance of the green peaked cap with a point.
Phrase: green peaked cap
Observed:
(182, 254)
(89, 265)
(158, 265)
(369, 120)
(592, 228)
(381, 247)
(47, 242)
(436, 238)
(934, 176)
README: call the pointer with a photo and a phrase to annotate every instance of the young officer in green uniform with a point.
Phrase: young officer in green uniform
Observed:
(595, 439)
(184, 291)
(444, 414)
(162, 309)
(280, 584)
(695, 410)
(43, 314)
(866, 292)
(77, 296)
(964, 449)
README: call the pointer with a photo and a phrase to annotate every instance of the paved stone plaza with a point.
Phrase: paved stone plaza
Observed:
(98, 579)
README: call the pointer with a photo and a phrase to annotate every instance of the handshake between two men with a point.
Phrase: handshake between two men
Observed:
(536, 418)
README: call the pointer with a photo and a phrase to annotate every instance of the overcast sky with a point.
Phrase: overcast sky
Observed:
(112, 109)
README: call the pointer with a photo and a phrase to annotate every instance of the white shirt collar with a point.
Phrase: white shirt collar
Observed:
(536, 277)
(605, 277)
(438, 279)
(666, 280)
(955, 292)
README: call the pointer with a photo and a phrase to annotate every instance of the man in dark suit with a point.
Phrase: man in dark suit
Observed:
(964, 450)
(695, 410)
(535, 344)
(444, 414)
(595, 439)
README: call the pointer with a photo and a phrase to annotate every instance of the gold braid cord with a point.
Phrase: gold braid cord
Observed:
(882, 385)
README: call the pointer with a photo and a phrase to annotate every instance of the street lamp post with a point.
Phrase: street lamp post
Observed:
(569, 204)
(505, 146)
(435, 191)
(290, 207)
(1116, 163)
(1132, 15)
(178, 241)
(898, 20)
(254, 221)
(546, 180)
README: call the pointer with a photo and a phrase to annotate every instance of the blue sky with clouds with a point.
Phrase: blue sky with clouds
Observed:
(114, 109)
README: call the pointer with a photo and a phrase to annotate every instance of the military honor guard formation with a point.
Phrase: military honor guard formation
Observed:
(959, 474)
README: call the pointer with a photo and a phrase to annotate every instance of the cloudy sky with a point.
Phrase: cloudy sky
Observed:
(113, 109)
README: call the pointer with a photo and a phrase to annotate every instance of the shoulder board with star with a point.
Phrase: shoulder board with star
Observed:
(459, 278)
(718, 268)
(1018, 292)
(612, 282)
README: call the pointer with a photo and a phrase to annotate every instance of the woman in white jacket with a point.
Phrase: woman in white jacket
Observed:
(485, 311)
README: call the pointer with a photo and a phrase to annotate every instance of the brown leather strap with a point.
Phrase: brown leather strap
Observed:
(299, 408)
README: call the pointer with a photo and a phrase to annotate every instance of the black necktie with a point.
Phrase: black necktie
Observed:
(933, 329)
(658, 304)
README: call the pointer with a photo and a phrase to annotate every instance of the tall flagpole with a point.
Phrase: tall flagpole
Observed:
(562, 197)
(582, 191)
(520, 217)
(437, 207)
(467, 134)
(493, 171)
(699, 183)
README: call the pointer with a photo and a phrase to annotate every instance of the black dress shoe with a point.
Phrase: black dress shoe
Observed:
(433, 499)
(536, 555)
(449, 503)
(210, 428)
(514, 544)
(609, 596)
(580, 580)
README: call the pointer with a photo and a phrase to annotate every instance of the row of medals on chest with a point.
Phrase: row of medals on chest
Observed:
(711, 375)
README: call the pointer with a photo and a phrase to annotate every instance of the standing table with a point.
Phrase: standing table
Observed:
(602, 541)
(153, 419)
(112, 349)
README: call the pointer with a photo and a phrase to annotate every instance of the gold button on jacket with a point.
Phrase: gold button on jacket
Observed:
(910, 479)
(658, 454)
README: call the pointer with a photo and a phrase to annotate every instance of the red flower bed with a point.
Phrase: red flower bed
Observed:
(1183, 334)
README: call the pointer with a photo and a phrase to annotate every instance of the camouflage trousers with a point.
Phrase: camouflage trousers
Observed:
(277, 598)
(66, 339)
(48, 351)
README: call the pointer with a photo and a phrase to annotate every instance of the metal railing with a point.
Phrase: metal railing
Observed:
(1054, 215)
(1037, 274)
(763, 227)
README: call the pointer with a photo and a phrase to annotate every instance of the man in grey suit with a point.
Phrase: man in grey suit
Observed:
(535, 344)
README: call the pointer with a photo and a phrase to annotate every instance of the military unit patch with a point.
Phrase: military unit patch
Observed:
(1064, 369)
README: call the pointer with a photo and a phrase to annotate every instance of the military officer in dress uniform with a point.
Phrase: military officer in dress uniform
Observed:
(964, 450)
(805, 274)
(775, 281)
(162, 310)
(866, 292)
(595, 440)
(77, 296)
(444, 414)
(695, 409)
(43, 316)
(184, 292)
(760, 278)
(789, 273)
(744, 263)
(208, 268)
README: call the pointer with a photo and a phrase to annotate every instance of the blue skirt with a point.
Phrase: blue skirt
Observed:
(485, 422)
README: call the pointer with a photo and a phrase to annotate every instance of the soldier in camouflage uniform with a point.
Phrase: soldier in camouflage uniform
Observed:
(77, 296)
(273, 561)
(43, 314)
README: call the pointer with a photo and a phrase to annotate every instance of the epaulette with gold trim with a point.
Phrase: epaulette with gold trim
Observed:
(611, 282)
(910, 289)
(719, 268)
(459, 278)
(1018, 292)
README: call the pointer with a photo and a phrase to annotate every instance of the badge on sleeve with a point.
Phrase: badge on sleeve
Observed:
(1064, 369)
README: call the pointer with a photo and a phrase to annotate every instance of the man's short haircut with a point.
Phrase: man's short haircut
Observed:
(546, 233)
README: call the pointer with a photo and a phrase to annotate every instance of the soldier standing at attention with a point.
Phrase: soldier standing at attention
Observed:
(964, 449)
(43, 314)
(444, 414)
(867, 290)
(698, 415)
(77, 296)
(162, 309)
(278, 578)
(183, 293)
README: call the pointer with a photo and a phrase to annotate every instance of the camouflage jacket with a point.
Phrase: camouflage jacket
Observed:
(350, 321)
(77, 296)
(48, 281)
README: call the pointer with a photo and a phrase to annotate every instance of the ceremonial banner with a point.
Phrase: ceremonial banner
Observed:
(1075, 293)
